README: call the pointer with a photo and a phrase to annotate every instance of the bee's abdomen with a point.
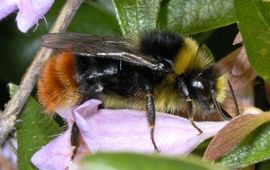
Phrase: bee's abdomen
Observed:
(57, 86)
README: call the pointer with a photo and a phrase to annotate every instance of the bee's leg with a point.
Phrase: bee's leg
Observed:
(183, 87)
(191, 115)
(75, 139)
(224, 115)
(150, 111)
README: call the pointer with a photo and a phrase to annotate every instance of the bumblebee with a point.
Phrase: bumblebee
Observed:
(152, 71)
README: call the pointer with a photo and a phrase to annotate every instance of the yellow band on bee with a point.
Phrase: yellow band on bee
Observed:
(185, 55)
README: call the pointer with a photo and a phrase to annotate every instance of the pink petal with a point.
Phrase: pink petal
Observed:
(7, 7)
(121, 130)
(127, 130)
(66, 113)
(56, 154)
(7, 152)
(30, 11)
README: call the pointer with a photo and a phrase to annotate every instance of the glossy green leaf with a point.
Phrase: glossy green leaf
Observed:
(34, 130)
(94, 19)
(131, 161)
(254, 22)
(136, 15)
(189, 17)
(254, 148)
(105, 4)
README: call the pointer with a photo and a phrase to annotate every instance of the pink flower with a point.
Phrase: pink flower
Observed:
(30, 11)
(121, 130)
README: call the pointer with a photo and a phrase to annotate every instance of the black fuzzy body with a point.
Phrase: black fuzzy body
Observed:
(123, 78)
(99, 77)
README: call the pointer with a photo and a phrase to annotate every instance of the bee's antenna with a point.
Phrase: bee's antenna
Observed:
(219, 109)
(234, 98)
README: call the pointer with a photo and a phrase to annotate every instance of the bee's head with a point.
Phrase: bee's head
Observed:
(200, 87)
(205, 87)
(196, 86)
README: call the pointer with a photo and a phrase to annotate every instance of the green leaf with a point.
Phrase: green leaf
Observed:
(254, 148)
(34, 130)
(254, 22)
(136, 15)
(131, 161)
(189, 17)
(94, 19)
(105, 4)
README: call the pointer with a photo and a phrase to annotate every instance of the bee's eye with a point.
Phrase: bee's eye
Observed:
(201, 87)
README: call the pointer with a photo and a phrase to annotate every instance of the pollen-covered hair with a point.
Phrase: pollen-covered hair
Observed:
(57, 86)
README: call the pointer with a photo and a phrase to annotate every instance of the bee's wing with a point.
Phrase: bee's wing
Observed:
(99, 46)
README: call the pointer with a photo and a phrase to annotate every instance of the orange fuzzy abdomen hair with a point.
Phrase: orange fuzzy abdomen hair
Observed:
(57, 86)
